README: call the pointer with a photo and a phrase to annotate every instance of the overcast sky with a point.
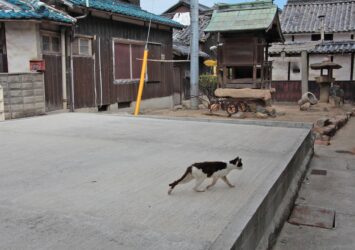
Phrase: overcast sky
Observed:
(159, 6)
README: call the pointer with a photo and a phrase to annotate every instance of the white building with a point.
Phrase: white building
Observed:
(302, 22)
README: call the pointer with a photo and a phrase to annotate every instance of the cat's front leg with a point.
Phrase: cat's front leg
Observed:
(224, 178)
(215, 179)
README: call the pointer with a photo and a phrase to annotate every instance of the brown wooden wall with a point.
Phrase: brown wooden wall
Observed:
(291, 91)
(53, 82)
(105, 30)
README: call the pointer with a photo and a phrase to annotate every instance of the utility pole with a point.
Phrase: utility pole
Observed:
(194, 45)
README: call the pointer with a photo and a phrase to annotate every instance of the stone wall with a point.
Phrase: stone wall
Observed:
(23, 94)
(2, 111)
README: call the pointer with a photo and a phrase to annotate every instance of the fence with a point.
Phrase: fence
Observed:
(23, 94)
(291, 91)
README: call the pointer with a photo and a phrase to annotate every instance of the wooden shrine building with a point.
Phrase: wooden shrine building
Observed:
(244, 32)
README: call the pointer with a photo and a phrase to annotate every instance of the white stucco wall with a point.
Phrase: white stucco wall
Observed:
(342, 74)
(22, 44)
(342, 36)
(279, 69)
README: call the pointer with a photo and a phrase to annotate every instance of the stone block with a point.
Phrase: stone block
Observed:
(26, 93)
(37, 77)
(3, 79)
(39, 99)
(27, 85)
(305, 107)
(28, 77)
(29, 99)
(322, 122)
(14, 79)
(16, 100)
(261, 115)
(15, 86)
(38, 92)
(17, 108)
(38, 85)
(16, 93)
(40, 105)
(29, 106)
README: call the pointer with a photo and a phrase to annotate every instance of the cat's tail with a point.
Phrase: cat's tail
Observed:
(184, 179)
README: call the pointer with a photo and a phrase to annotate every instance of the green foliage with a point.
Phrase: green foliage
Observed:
(208, 84)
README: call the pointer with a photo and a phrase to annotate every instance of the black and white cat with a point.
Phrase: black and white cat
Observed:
(203, 170)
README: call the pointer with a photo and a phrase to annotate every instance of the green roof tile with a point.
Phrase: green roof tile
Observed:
(244, 16)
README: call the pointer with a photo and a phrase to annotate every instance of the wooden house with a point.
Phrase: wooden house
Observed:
(106, 45)
(29, 31)
(244, 33)
(180, 12)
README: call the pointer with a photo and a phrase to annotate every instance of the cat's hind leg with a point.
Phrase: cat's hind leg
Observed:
(224, 178)
(187, 177)
(198, 183)
(214, 181)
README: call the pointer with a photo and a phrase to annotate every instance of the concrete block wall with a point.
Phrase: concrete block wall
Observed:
(2, 111)
(24, 94)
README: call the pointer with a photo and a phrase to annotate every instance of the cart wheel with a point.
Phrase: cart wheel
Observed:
(243, 107)
(231, 109)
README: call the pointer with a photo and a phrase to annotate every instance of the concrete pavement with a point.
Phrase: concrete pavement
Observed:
(89, 181)
(335, 191)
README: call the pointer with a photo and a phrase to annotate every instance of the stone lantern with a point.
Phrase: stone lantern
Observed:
(325, 79)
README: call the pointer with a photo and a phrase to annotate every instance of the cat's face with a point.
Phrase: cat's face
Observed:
(237, 162)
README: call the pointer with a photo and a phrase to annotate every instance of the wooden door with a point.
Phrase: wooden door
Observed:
(51, 49)
(85, 93)
(84, 82)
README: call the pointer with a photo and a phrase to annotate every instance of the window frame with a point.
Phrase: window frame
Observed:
(89, 45)
(130, 43)
(51, 36)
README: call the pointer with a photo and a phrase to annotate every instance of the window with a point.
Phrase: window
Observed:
(317, 37)
(352, 37)
(82, 46)
(328, 37)
(127, 67)
(154, 68)
(240, 72)
(50, 43)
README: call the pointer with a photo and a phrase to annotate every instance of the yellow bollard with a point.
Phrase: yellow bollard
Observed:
(141, 82)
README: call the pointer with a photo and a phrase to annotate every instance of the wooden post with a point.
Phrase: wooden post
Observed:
(304, 71)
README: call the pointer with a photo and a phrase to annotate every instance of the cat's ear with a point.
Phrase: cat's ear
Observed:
(234, 161)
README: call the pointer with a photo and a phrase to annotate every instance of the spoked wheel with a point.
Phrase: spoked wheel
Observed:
(231, 109)
(243, 107)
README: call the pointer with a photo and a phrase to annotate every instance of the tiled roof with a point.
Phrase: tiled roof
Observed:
(301, 16)
(186, 3)
(181, 38)
(244, 16)
(180, 49)
(183, 35)
(127, 10)
(31, 9)
(326, 47)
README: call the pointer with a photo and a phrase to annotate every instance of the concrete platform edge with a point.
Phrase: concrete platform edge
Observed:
(264, 224)
(264, 123)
